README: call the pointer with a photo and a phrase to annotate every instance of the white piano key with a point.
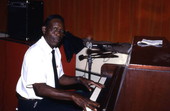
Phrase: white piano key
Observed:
(96, 92)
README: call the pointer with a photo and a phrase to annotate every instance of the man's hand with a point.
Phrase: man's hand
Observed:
(88, 83)
(85, 102)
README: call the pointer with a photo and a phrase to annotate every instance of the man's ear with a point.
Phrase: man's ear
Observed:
(43, 29)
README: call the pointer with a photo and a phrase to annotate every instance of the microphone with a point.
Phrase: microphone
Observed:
(90, 45)
(81, 57)
(89, 51)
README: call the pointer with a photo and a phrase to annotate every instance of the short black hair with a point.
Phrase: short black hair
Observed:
(51, 17)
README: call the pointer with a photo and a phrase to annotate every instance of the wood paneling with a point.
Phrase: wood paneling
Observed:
(108, 20)
(113, 20)
(11, 57)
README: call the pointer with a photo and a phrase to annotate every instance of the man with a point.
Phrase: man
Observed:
(36, 88)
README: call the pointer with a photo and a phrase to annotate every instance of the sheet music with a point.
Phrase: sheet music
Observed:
(96, 92)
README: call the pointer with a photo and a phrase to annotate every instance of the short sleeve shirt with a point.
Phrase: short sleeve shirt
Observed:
(37, 68)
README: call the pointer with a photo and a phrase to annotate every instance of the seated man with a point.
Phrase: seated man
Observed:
(39, 86)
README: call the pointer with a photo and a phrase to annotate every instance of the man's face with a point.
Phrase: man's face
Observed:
(54, 32)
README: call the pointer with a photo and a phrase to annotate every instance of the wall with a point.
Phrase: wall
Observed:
(113, 20)
(11, 57)
(108, 20)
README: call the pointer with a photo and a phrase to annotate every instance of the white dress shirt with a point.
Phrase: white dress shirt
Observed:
(37, 68)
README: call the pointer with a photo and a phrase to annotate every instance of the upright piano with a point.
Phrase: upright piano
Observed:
(143, 84)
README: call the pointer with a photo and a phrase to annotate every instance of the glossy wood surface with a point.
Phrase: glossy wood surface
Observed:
(145, 83)
(151, 55)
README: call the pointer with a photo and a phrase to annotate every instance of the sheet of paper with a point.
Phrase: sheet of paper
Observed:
(146, 42)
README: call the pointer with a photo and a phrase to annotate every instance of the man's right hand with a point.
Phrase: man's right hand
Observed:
(85, 102)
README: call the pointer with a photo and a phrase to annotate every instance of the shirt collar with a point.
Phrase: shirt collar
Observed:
(46, 46)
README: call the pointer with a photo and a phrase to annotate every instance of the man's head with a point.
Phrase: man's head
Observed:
(53, 30)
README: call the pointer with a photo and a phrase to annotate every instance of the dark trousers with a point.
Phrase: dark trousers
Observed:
(47, 105)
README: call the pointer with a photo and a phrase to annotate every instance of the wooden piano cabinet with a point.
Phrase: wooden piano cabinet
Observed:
(145, 90)
(109, 70)
(114, 73)
(146, 82)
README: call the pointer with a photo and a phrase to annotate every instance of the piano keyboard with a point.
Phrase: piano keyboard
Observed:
(96, 92)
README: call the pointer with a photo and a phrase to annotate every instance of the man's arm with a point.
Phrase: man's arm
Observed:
(70, 80)
(43, 90)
